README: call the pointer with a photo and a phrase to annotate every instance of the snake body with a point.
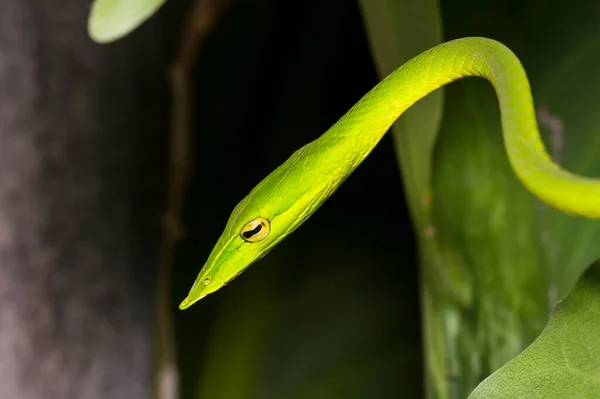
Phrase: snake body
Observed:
(282, 201)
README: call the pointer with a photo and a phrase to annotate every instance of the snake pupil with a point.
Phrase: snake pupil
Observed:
(253, 232)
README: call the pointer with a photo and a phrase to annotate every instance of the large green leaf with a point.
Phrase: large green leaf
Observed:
(111, 20)
(564, 361)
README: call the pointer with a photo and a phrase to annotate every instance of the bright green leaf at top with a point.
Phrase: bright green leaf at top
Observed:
(564, 361)
(111, 20)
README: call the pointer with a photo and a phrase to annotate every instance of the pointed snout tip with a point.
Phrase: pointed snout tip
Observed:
(189, 301)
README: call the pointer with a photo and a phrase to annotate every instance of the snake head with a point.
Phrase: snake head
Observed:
(270, 212)
(240, 245)
(246, 238)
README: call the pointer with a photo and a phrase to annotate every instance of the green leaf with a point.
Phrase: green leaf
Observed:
(564, 362)
(111, 20)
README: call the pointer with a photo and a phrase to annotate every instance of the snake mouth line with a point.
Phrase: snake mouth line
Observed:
(187, 302)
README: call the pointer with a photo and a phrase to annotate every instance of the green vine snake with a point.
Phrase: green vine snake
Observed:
(281, 202)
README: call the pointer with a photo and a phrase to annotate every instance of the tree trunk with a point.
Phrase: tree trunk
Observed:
(83, 150)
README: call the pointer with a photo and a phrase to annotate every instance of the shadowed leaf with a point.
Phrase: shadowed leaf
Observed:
(564, 361)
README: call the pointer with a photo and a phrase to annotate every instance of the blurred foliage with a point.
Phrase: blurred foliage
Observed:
(110, 20)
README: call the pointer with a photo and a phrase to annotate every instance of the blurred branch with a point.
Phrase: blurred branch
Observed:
(201, 19)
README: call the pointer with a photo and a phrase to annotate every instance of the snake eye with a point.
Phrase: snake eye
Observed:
(256, 230)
